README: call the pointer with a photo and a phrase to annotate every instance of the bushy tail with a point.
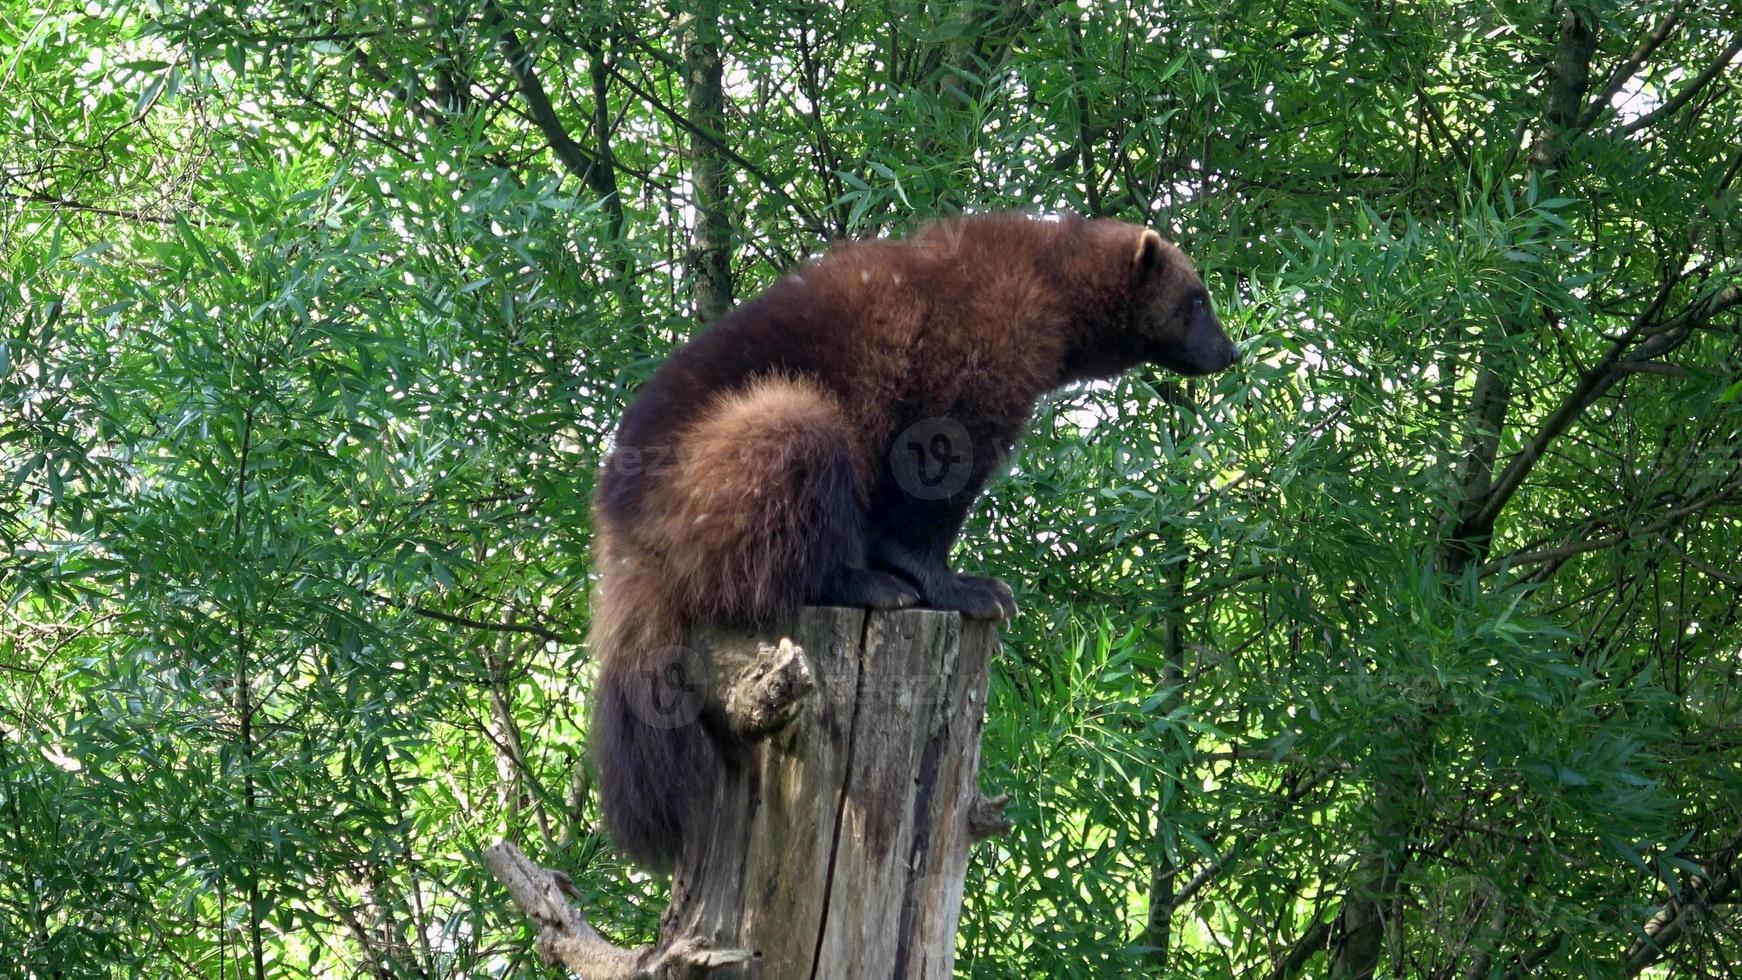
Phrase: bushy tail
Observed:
(655, 758)
(762, 499)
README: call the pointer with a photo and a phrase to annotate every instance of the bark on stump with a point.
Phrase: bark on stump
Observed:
(842, 838)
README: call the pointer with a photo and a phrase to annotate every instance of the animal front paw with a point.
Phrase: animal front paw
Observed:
(975, 596)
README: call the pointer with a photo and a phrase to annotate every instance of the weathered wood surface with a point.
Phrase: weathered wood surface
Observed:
(843, 840)
(843, 833)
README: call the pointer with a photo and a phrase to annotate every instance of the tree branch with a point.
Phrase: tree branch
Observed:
(1628, 67)
(1437, 122)
(57, 202)
(1561, 553)
(430, 115)
(565, 936)
(811, 221)
(1675, 102)
(1526, 963)
(1214, 869)
(452, 619)
(1678, 916)
(1315, 940)
(574, 157)
(1663, 337)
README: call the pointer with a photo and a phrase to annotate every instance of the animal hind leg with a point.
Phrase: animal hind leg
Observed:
(766, 510)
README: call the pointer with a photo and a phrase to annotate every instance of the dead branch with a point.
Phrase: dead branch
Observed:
(767, 696)
(565, 937)
(986, 817)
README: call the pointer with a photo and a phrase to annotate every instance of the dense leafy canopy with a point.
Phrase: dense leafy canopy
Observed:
(1410, 645)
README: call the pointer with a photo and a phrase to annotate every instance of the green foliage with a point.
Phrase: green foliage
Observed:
(310, 343)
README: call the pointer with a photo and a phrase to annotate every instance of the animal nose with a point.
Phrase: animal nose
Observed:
(1233, 353)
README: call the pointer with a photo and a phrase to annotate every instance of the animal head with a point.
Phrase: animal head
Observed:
(1140, 301)
(1171, 321)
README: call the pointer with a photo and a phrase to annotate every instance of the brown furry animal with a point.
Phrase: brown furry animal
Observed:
(822, 444)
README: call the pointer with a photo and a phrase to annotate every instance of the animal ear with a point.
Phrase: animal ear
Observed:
(1148, 256)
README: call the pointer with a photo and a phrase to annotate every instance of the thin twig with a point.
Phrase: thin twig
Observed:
(454, 619)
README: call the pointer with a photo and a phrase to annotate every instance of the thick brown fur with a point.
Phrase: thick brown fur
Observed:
(759, 469)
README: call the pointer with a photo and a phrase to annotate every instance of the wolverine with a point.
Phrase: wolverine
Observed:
(822, 444)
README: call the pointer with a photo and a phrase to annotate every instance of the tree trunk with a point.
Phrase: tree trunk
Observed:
(1372, 905)
(1164, 869)
(841, 840)
(710, 260)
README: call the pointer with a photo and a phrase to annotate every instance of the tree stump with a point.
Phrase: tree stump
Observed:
(842, 837)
